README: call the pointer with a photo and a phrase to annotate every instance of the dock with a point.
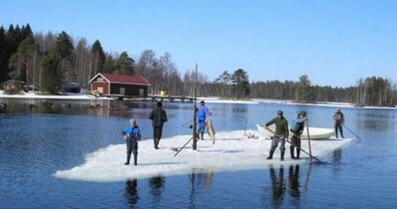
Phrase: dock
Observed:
(155, 98)
(173, 99)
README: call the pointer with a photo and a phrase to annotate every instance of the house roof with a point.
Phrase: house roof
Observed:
(123, 79)
(13, 81)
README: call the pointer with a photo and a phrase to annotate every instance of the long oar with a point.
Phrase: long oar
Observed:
(297, 147)
(180, 149)
(186, 123)
(352, 132)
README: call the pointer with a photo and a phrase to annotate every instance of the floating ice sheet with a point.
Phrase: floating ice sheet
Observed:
(232, 151)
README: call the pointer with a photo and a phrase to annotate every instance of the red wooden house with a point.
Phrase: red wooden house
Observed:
(110, 84)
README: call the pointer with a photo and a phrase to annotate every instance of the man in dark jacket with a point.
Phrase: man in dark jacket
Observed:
(280, 134)
(158, 117)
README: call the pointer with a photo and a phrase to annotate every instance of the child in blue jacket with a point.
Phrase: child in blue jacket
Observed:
(131, 136)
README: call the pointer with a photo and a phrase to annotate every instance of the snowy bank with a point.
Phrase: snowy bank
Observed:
(231, 152)
(31, 95)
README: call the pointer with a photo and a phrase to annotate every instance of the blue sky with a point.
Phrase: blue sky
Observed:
(334, 42)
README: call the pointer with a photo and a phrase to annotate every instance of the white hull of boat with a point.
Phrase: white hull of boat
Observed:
(315, 133)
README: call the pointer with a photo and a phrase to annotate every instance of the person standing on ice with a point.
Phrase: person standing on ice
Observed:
(339, 120)
(297, 131)
(281, 133)
(131, 136)
(202, 114)
(158, 117)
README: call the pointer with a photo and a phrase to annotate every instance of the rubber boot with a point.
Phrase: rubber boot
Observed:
(135, 159)
(298, 151)
(128, 159)
(155, 143)
(282, 155)
(271, 153)
(202, 136)
(291, 150)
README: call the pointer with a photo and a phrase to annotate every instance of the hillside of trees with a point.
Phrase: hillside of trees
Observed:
(45, 62)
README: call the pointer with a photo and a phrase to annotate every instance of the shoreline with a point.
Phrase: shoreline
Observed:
(31, 95)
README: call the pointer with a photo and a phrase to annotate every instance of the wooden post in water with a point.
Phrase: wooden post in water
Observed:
(194, 112)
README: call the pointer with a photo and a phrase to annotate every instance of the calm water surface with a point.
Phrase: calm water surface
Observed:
(39, 137)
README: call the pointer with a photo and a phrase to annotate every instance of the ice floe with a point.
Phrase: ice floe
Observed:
(232, 151)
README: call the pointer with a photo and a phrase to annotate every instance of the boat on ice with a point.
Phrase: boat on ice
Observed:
(315, 133)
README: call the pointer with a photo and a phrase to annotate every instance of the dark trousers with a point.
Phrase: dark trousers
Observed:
(296, 141)
(157, 132)
(132, 147)
(338, 127)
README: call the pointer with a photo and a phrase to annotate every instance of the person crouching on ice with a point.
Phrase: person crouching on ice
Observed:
(280, 134)
(131, 136)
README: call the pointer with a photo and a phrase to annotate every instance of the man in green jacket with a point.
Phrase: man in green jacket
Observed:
(280, 134)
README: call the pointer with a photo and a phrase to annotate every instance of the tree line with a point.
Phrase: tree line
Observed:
(45, 62)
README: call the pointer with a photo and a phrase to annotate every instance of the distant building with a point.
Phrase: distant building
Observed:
(110, 84)
(13, 86)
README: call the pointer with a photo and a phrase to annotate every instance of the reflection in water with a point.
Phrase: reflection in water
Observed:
(308, 177)
(131, 192)
(374, 120)
(197, 180)
(337, 156)
(278, 186)
(293, 183)
(156, 188)
(336, 159)
(192, 191)
(57, 106)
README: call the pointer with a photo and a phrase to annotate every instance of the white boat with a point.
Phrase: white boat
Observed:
(315, 133)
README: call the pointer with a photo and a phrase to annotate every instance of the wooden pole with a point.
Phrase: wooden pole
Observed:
(352, 132)
(194, 112)
(308, 139)
(180, 149)
(246, 121)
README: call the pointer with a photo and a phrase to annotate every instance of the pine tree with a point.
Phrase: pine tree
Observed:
(50, 75)
(65, 53)
(97, 58)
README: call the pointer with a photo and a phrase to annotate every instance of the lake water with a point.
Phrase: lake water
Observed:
(40, 137)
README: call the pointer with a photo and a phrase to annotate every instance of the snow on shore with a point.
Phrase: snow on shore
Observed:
(31, 95)
(231, 152)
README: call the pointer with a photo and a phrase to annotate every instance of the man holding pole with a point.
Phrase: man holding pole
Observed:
(280, 135)
(339, 120)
